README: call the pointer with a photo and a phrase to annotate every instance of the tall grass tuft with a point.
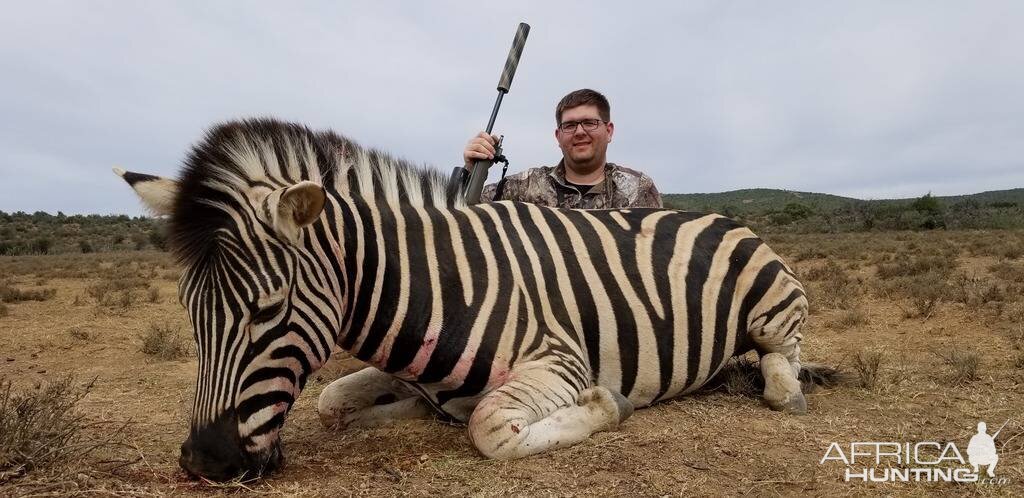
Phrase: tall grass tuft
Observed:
(165, 342)
(868, 364)
(41, 427)
(963, 364)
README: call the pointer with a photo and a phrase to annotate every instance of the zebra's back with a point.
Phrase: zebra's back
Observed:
(650, 302)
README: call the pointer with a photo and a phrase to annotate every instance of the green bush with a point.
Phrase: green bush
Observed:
(41, 245)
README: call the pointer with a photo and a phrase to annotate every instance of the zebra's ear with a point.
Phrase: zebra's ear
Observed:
(156, 193)
(294, 207)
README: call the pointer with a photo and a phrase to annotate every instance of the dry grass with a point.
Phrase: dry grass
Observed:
(1014, 251)
(680, 447)
(847, 319)
(925, 292)
(1005, 270)
(962, 363)
(973, 290)
(115, 291)
(166, 342)
(901, 374)
(80, 333)
(11, 294)
(831, 287)
(907, 266)
(868, 365)
(827, 271)
(40, 427)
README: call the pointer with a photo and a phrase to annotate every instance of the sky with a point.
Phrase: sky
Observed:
(864, 99)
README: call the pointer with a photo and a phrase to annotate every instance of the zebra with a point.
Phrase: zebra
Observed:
(536, 327)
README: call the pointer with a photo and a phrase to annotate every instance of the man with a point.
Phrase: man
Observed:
(583, 179)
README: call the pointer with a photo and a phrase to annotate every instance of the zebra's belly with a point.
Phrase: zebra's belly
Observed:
(649, 388)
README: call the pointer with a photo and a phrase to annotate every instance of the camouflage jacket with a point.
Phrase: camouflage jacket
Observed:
(622, 187)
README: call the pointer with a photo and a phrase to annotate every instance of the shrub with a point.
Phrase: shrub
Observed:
(852, 317)
(85, 246)
(40, 427)
(79, 333)
(153, 295)
(797, 211)
(829, 270)
(158, 239)
(780, 219)
(1007, 271)
(41, 245)
(140, 240)
(115, 289)
(165, 342)
(836, 291)
(868, 364)
(4, 310)
(10, 294)
(905, 266)
(125, 299)
(925, 292)
(962, 362)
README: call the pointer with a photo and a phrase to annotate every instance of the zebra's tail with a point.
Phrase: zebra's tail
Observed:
(813, 375)
(743, 376)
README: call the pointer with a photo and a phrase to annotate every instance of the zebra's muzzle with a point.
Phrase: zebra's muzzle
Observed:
(217, 453)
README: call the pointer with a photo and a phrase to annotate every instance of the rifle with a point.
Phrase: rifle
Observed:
(472, 182)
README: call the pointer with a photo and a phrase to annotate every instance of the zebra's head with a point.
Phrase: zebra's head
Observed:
(256, 312)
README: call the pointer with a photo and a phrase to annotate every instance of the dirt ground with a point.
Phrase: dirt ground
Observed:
(866, 298)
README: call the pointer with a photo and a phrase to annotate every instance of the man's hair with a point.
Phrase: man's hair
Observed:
(584, 96)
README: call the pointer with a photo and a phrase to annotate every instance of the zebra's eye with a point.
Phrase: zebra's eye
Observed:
(267, 313)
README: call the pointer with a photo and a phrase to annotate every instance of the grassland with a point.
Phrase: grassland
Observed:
(927, 324)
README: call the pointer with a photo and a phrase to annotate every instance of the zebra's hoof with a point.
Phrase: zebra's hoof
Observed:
(794, 404)
(330, 421)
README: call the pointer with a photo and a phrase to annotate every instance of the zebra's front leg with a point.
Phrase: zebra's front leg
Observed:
(369, 398)
(538, 410)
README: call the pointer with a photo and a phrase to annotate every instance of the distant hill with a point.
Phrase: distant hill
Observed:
(756, 201)
(1014, 195)
(762, 208)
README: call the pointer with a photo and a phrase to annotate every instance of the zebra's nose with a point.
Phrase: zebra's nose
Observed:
(185, 460)
(203, 458)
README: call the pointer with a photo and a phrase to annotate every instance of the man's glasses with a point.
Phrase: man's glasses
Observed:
(588, 125)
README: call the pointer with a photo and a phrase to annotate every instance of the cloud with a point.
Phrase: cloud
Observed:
(869, 99)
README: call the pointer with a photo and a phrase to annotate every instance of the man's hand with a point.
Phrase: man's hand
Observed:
(478, 148)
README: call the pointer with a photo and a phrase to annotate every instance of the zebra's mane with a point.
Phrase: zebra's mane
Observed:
(239, 160)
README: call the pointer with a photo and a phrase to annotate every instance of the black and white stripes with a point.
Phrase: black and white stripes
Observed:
(510, 316)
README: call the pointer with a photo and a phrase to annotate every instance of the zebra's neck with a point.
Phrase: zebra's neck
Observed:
(390, 280)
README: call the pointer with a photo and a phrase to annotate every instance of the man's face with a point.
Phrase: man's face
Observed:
(584, 148)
